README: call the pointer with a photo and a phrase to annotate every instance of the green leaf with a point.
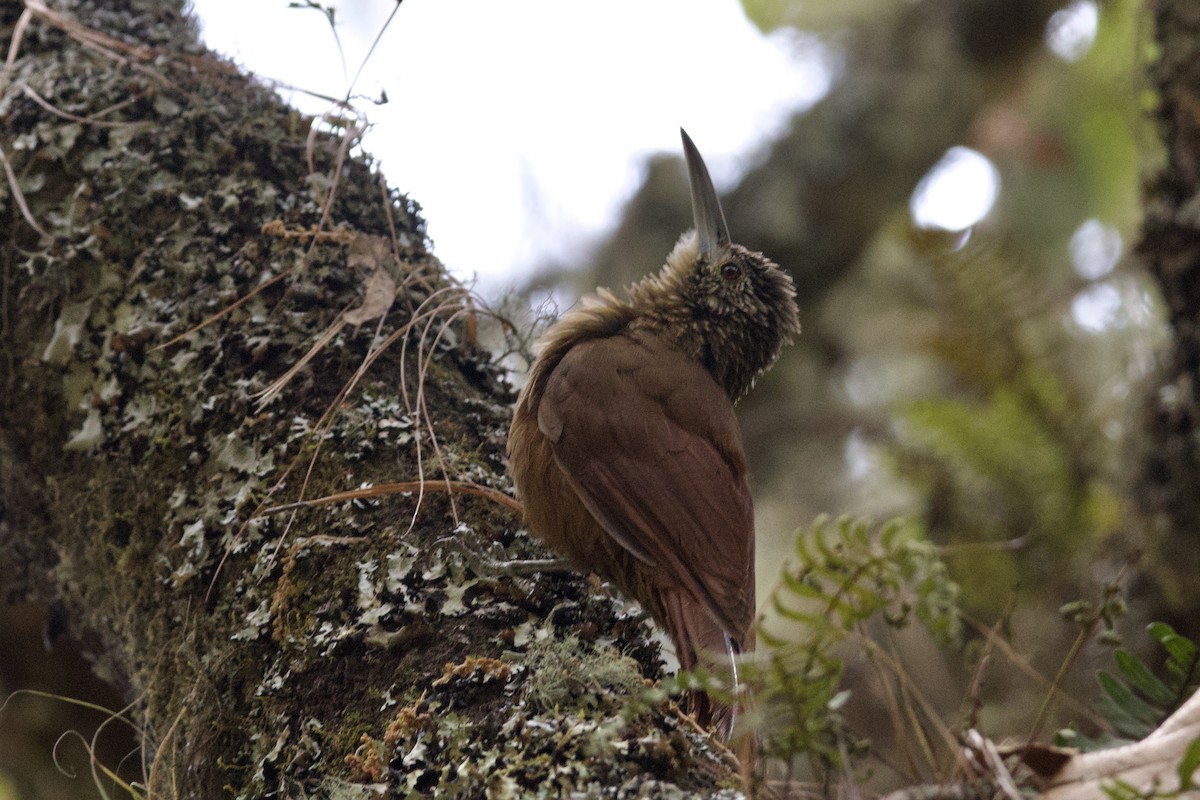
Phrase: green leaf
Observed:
(1121, 790)
(801, 586)
(1129, 714)
(796, 615)
(1181, 649)
(1072, 737)
(850, 572)
(1143, 680)
(1188, 765)
(1160, 630)
(1126, 724)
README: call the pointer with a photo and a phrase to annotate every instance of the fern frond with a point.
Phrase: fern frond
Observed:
(1136, 701)
(846, 573)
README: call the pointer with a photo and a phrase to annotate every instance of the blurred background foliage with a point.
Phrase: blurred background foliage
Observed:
(989, 381)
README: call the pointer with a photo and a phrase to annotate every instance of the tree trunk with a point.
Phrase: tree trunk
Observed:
(1171, 249)
(176, 240)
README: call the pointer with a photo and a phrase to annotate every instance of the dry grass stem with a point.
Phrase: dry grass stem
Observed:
(402, 487)
(19, 196)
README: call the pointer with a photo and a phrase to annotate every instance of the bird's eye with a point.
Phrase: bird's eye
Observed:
(730, 271)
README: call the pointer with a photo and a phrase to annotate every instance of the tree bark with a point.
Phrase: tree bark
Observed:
(1170, 247)
(176, 241)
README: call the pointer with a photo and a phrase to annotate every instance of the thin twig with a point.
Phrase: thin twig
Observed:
(1084, 635)
(224, 310)
(19, 196)
(14, 45)
(58, 112)
(1068, 662)
(931, 713)
(378, 36)
(403, 487)
(1022, 663)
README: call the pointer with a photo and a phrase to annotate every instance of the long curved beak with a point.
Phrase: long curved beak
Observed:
(711, 228)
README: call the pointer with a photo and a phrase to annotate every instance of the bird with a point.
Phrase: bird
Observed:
(624, 448)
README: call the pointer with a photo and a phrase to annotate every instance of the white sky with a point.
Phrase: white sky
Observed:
(521, 126)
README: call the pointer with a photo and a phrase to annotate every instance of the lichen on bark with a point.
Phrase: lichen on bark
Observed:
(1170, 248)
(188, 258)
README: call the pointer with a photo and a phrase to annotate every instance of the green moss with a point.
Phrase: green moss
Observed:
(564, 674)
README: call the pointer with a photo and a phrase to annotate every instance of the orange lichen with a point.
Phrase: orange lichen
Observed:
(489, 669)
(366, 763)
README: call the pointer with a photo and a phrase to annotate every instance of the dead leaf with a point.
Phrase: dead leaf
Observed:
(378, 297)
(374, 254)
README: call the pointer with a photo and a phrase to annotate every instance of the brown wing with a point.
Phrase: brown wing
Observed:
(650, 443)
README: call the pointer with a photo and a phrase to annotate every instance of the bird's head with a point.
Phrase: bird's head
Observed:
(730, 308)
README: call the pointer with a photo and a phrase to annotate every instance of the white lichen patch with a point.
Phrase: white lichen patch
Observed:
(255, 622)
(372, 616)
(272, 755)
(236, 454)
(367, 595)
(327, 636)
(193, 538)
(90, 434)
(139, 411)
(455, 590)
(274, 680)
(369, 601)
(68, 330)
(435, 570)
(181, 360)
(532, 631)
(400, 565)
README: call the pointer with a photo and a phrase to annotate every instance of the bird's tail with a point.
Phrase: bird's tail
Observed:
(700, 640)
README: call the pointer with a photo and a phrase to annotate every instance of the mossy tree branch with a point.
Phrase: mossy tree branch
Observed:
(189, 256)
